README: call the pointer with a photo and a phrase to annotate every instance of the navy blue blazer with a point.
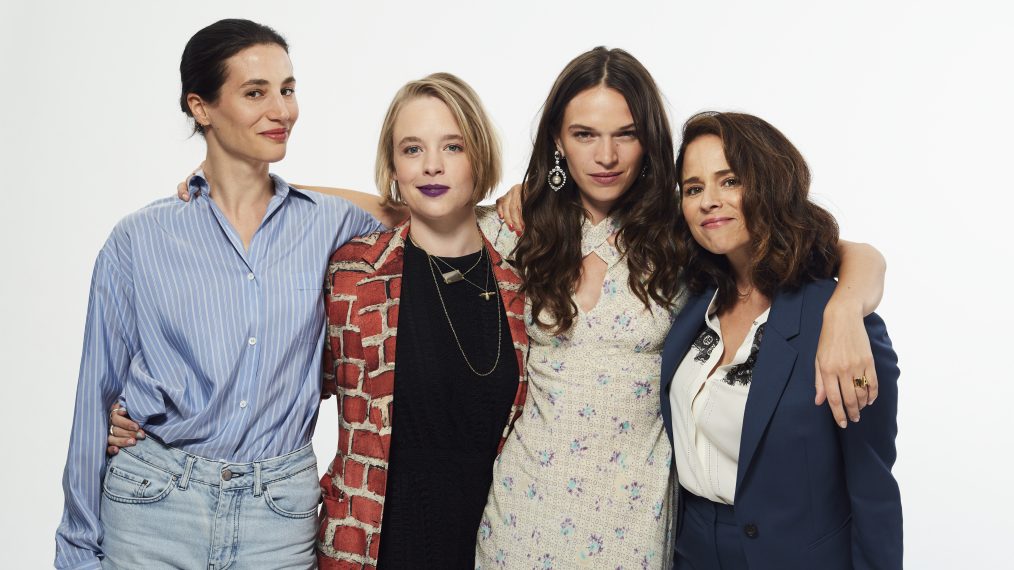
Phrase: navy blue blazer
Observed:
(817, 495)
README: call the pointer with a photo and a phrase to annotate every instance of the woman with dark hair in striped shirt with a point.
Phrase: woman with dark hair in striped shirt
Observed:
(205, 318)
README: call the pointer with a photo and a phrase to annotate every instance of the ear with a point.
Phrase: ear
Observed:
(199, 109)
(559, 147)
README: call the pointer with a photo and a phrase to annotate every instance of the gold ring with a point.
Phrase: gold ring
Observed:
(861, 382)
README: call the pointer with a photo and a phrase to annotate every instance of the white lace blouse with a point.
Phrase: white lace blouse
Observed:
(708, 407)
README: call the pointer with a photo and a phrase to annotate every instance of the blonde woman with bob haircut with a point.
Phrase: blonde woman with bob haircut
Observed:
(421, 468)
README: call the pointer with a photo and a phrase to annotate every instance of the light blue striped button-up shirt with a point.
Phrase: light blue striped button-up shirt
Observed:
(214, 349)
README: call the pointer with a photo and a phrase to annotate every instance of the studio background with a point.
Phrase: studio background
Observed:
(903, 110)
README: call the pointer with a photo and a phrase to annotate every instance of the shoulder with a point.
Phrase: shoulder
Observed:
(141, 225)
(368, 253)
(495, 230)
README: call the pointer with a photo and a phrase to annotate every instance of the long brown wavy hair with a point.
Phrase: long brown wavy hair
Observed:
(548, 254)
(792, 240)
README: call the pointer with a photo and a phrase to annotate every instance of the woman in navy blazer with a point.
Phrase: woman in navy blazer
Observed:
(789, 489)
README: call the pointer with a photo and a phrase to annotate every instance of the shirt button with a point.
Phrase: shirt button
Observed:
(751, 530)
(242, 403)
(226, 475)
(252, 341)
(250, 276)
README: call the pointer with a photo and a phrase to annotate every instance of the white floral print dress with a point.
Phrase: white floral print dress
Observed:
(584, 479)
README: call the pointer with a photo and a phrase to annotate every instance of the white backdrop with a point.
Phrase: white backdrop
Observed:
(902, 108)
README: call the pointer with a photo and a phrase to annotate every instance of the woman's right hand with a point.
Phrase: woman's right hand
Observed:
(508, 207)
(123, 431)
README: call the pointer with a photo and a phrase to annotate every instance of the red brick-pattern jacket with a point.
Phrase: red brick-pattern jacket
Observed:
(363, 289)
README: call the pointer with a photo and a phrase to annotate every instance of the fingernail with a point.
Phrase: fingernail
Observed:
(842, 424)
(511, 227)
(870, 403)
(855, 419)
(131, 441)
(140, 434)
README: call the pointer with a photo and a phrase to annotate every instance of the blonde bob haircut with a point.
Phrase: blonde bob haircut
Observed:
(482, 147)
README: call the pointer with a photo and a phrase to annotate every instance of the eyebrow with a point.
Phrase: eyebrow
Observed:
(419, 140)
(580, 127)
(698, 180)
(263, 82)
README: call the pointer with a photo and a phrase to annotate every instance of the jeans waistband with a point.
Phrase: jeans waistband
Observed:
(189, 467)
(712, 511)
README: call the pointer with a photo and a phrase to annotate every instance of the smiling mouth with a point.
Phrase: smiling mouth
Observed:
(278, 135)
(433, 190)
(713, 223)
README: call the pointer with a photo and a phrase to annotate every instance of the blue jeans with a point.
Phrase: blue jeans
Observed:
(165, 508)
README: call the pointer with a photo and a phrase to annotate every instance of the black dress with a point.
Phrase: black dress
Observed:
(446, 420)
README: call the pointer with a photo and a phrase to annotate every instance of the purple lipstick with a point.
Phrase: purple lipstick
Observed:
(434, 190)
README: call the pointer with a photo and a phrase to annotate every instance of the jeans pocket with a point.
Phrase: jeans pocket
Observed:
(294, 497)
(130, 480)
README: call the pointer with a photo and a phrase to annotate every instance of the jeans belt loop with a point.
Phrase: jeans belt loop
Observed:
(257, 487)
(187, 470)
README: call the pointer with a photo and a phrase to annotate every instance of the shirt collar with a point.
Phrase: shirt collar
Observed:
(198, 185)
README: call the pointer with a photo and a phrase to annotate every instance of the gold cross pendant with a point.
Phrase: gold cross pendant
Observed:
(487, 295)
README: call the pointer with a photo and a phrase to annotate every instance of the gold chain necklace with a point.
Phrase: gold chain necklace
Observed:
(499, 319)
(454, 275)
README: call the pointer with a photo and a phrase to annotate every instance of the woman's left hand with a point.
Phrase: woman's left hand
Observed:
(844, 355)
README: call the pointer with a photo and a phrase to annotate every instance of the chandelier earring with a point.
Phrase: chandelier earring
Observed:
(557, 176)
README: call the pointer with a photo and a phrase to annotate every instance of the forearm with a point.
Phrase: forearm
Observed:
(860, 279)
(390, 214)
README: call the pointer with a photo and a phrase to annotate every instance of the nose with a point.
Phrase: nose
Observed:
(710, 199)
(605, 152)
(433, 163)
(280, 110)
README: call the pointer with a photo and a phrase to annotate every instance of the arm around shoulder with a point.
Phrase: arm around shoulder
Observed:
(390, 214)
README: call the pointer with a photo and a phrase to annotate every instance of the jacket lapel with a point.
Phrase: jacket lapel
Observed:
(775, 361)
(683, 331)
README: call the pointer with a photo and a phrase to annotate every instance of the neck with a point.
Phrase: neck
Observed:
(747, 294)
(236, 183)
(595, 210)
(447, 238)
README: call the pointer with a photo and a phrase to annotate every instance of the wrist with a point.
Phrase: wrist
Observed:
(844, 305)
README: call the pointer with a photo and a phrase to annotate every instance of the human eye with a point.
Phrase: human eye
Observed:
(631, 134)
(288, 91)
(730, 182)
(454, 147)
(583, 135)
(411, 150)
(254, 94)
(692, 190)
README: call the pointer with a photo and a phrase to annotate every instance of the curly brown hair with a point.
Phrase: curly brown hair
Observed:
(548, 255)
(792, 240)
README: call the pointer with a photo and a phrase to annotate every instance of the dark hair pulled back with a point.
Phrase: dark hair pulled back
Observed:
(203, 64)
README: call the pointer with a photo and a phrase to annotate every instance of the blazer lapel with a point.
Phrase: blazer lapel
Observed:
(683, 331)
(775, 361)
